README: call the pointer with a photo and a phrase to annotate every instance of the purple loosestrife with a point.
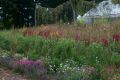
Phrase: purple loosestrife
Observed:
(29, 67)
(45, 33)
(105, 42)
(116, 37)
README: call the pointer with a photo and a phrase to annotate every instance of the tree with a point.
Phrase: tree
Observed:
(26, 12)
(9, 9)
(55, 3)
(116, 1)
(82, 6)
(21, 12)
(17, 13)
(50, 3)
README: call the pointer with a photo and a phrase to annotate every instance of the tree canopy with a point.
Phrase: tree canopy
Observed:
(55, 3)
(51, 3)
(21, 12)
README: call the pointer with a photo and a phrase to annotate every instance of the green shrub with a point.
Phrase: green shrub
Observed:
(79, 52)
(60, 50)
(64, 49)
(23, 44)
(47, 48)
(115, 46)
(81, 22)
(115, 60)
(37, 44)
(4, 43)
(116, 1)
(96, 55)
(33, 56)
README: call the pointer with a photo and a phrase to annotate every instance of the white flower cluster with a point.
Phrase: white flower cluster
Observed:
(4, 53)
(64, 67)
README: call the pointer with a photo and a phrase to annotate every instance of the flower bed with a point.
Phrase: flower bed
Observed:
(64, 56)
(34, 69)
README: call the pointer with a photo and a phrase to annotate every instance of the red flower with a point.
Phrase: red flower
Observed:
(29, 32)
(116, 37)
(44, 33)
(105, 42)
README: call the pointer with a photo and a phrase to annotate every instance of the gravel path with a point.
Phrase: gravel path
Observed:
(6, 74)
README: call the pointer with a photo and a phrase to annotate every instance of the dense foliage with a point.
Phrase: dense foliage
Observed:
(17, 13)
(65, 57)
(58, 51)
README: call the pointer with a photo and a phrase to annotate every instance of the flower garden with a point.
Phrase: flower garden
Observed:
(89, 52)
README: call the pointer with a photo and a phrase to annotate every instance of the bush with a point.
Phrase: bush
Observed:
(23, 44)
(81, 21)
(66, 52)
(115, 59)
(115, 46)
(96, 53)
(64, 49)
(35, 69)
(4, 43)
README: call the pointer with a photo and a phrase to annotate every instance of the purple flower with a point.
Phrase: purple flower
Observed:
(30, 67)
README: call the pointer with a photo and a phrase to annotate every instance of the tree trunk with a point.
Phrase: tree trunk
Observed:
(74, 13)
